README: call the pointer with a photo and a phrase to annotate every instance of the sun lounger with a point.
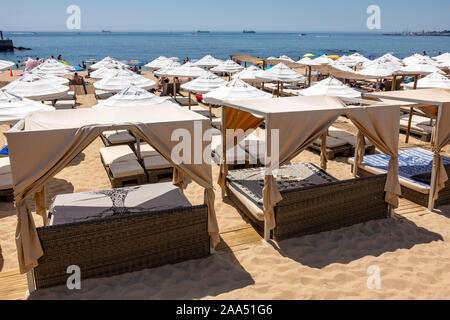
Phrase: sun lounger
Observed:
(350, 139)
(313, 201)
(156, 166)
(122, 166)
(420, 126)
(65, 104)
(69, 96)
(415, 167)
(101, 95)
(6, 181)
(117, 137)
(184, 101)
(241, 156)
(106, 233)
(335, 147)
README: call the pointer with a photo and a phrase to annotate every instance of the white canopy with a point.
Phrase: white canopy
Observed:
(131, 96)
(15, 108)
(421, 68)
(388, 60)
(249, 74)
(359, 57)
(55, 79)
(53, 67)
(36, 88)
(171, 65)
(234, 90)
(186, 70)
(106, 72)
(306, 61)
(443, 57)
(332, 87)
(6, 65)
(379, 69)
(103, 62)
(349, 61)
(158, 63)
(322, 60)
(205, 83)
(281, 72)
(434, 80)
(287, 58)
(110, 65)
(228, 66)
(121, 80)
(208, 61)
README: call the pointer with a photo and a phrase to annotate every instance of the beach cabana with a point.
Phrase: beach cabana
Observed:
(5, 65)
(44, 143)
(37, 88)
(292, 208)
(208, 61)
(121, 79)
(332, 87)
(436, 103)
(281, 74)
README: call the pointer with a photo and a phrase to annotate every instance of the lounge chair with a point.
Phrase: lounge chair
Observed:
(102, 95)
(6, 180)
(69, 96)
(122, 166)
(420, 126)
(313, 201)
(350, 139)
(335, 147)
(106, 233)
(117, 137)
(156, 166)
(415, 167)
(65, 104)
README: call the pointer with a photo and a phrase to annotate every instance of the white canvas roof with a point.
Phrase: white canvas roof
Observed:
(106, 72)
(186, 70)
(208, 61)
(131, 96)
(6, 65)
(281, 72)
(121, 80)
(205, 83)
(228, 66)
(422, 68)
(249, 74)
(36, 88)
(330, 86)
(434, 80)
(234, 90)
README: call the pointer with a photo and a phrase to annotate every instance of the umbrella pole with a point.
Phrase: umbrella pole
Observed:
(416, 78)
(394, 83)
(262, 85)
(175, 89)
(189, 100)
(309, 75)
(408, 130)
(281, 86)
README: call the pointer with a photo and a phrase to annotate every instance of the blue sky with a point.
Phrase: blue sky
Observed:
(225, 15)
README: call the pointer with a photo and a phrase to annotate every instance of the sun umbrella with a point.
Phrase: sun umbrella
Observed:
(249, 74)
(330, 86)
(36, 88)
(442, 57)
(158, 63)
(348, 61)
(421, 68)
(132, 96)
(419, 59)
(334, 57)
(53, 67)
(359, 57)
(52, 78)
(208, 61)
(186, 70)
(205, 83)
(228, 66)
(121, 80)
(387, 59)
(234, 90)
(309, 55)
(4, 65)
(322, 60)
(378, 69)
(104, 72)
(281, 73)
(285, 57)
(102, 62)
(15, 108)
(434, 80)
(169, 67)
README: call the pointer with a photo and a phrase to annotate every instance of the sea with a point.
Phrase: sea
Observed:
(76, 47)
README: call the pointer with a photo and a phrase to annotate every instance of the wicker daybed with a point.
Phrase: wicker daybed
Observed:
(313, 201)
(110, 232)
(415, 173)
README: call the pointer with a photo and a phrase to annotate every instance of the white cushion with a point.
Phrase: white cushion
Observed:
(147, 150)
(6, 181)
(331, 142)
(156, 162)
(126, 168)
(118, 136)
(5, 165)
(65, 104)
(117, 154)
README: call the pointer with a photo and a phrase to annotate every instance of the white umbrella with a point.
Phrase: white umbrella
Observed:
(208, 61)
(305, 61)
(4, 65)
(37, 88)
(378, 69)
(15, 108)
(249, 74)
(235, 90)
(359, 57)
(341, 66)
(132, 96)
(281, 73)
(445, 64)
(330, 86)
(121, 80)
(53, 67)
(387, 59)
(158, 63)
(287, 58)
(322, 60)
(420, 68)
(50, 77)
(110, 65)
(186, 70)
(103, 62)
(419, 59)
(434, 80)
(105, 72)
(442, 57)
(205, 83)
(348, 61)
(169, 67)
(228, 66)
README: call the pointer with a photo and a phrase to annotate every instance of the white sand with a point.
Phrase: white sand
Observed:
(413, 254)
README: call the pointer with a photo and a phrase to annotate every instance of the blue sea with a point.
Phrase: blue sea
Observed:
(145, 46)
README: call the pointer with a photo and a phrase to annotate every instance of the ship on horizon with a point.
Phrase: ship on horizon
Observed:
(248, 31)
(203, 31)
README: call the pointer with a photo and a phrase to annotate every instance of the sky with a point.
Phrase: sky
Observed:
(225, 15)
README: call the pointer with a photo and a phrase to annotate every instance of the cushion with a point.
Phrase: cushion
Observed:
(117, 154)
(118, 136)
(156, 162)
(5, 165)
(81, 207)
(126, 169)
(250, 182)
(6, 181)
(331, 142)
(338, 133)
(65, 104)
(147, 150)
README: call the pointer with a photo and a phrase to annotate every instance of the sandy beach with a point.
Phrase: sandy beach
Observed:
(411, 251)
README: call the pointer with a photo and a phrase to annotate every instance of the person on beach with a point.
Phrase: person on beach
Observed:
(59, 58)
(77, 79)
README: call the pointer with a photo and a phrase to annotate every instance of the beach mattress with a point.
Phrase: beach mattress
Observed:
(117, 154)
(415, 165)
(85, 206)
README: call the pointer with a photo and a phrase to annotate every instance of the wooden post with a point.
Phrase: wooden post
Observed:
(189, 100)
(433, 172)
(224, 148)
(394, 83)
(268, 146)
(416, 78)
(309, 75)
(138, 148)
(262, 85)
(175, 89)
(281, 90)
(408, 130)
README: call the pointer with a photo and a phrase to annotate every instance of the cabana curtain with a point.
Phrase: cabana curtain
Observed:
(37, 155)
(440, 139)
